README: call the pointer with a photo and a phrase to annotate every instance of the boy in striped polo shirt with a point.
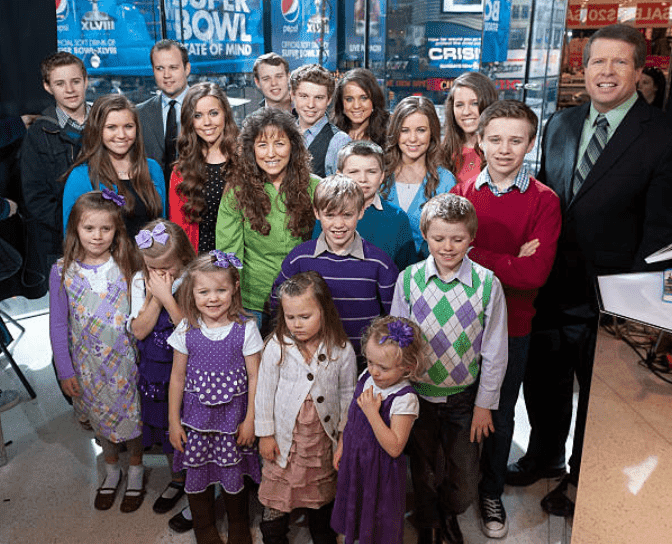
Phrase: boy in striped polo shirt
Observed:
(460, 308)
(360, 276)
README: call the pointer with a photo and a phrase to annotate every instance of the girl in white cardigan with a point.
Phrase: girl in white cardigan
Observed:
(306, 382)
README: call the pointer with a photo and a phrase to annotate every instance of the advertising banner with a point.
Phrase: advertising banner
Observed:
(496, 20)
(304, 28)
(110, 36)
(653, 14)
(452, 48)
(220, 35)
(355, 25)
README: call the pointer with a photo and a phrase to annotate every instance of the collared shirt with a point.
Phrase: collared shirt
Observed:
(64, 119)
(355, 249)
(521, 181)
(165, 107)
(377, 203)
(495, 347)
(337, 142)
(614, 117)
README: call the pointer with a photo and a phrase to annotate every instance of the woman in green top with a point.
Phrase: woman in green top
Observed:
(268, 209)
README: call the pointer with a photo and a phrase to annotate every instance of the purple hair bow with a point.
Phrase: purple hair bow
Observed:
(224, 260)
(400, 332)
(145, 238)
(119, 200)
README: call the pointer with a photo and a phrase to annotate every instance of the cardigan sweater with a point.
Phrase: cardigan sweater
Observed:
(261, 255)
(505, 223)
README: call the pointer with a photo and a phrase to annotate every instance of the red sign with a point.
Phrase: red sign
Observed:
(601, 15)
(573, 16)
(655, 14)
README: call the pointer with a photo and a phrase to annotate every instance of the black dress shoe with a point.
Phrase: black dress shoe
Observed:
(180, 524)
(451, 531)
(526, 471)
(558, 502)
(165, 504)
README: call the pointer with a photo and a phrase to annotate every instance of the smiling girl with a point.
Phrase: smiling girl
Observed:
(207, 150)
(113, 156)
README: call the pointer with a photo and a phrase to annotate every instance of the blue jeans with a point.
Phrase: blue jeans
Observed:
(495, 455)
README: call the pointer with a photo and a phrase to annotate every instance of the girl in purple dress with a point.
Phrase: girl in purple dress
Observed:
(371, 495)
(165, 251)
(211, 396)
(94, 353)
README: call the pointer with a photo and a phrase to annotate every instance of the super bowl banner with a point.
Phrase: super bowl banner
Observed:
(221, 35)
(115, 36)
(302, 29)
(110, 36)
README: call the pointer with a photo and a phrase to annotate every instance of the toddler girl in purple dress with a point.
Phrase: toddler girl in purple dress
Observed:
(211, 396)
(165, 251)
(371, 493)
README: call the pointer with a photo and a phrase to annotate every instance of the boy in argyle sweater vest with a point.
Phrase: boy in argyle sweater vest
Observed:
(460, 308)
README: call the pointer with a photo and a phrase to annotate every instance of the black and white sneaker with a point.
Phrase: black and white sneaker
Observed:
(493, 517)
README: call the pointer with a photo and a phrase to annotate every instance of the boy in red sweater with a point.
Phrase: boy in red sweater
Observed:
(518, 228)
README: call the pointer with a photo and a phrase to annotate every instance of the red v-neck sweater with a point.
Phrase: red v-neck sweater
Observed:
(505, 223)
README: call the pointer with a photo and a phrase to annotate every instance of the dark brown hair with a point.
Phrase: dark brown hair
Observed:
(379, 118)
(177, 245)
(455, 138)
(331, 332)
(623, 33)
(192, 149)
(96, 155)
(249, 179)
(272, 59)
(204, 264)
(58, 59)
(165, 45)
(408, 106)
(410, 357)
(122, 250)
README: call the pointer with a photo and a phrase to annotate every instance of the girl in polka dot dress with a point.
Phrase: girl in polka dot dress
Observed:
(211, 396)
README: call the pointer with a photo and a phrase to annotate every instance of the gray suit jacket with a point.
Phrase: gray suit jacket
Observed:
(153, 136)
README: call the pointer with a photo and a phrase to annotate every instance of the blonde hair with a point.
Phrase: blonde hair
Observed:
(205, 264)
(336, 193)
(177, 245)
(410, 357)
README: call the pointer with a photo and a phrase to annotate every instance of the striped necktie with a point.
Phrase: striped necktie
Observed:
(592, 153)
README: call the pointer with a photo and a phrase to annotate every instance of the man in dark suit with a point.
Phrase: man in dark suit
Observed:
(610, 162)
(160, 115)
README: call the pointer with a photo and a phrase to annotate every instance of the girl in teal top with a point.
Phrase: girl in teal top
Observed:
(412, 160)
(267, 209)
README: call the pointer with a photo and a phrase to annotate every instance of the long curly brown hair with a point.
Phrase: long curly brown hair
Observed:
(409, 106)
(455, 138)
(249, 179)
(192, 149)
(379, 118)
(96, 155)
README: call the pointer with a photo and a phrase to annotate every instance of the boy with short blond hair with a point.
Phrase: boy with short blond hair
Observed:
(312, 88)
(360, 276)
(519, 224)
(460, 308)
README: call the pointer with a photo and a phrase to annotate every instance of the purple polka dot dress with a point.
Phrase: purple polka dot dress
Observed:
(214, 404)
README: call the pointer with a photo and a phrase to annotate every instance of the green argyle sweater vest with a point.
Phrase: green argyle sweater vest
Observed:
(451, 317)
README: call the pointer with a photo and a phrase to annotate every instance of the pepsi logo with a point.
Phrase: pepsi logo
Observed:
(61, 9)
(290, 10)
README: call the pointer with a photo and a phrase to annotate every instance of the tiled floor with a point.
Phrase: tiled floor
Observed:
(54, 469)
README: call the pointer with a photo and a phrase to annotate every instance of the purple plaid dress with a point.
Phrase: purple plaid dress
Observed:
(214, 404)
(371, 492)
(103, 353)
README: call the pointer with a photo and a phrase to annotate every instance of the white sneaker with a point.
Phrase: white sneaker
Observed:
(493, 517)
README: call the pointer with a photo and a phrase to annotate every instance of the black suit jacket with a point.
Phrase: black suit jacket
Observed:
(153, 136)
(623, 210)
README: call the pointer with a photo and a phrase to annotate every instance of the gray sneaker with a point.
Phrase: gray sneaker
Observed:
(493, 517)
(8, 399)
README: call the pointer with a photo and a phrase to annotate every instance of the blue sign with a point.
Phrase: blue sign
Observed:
(220, 35)
(496, 21)
(355, 26)
(304, 28)
(110, 36)
(452, 49)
